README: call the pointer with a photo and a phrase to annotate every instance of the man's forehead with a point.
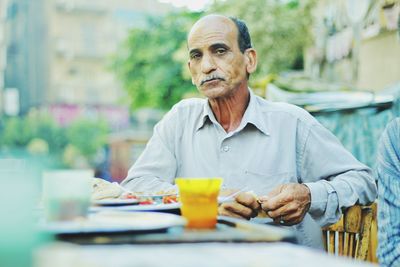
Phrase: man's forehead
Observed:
(212, 27)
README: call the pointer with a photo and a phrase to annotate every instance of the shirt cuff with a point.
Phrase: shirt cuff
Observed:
(319, 197)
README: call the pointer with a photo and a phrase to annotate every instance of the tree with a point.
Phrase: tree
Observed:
(150, 64)
(87, 136)
(39, 134)
(15, 132)
(279, 30)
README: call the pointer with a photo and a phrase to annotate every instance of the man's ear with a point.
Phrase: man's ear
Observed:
(188, 64)
(251, 60)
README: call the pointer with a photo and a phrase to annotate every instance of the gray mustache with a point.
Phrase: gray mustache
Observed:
(210, 78)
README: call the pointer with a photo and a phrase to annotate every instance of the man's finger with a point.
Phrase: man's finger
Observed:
(237, 208)
(276, 191)
(248, 200)
(294, 217)
(285, 210)
(277, 201)
(225, 212)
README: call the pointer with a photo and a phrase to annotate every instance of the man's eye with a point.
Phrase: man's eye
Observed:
(195, 56)
(220, 51)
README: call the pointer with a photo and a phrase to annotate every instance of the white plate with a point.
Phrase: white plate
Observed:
(170, 207)
(115, 221)
(115, 202)
(155, 207)
(145, 195)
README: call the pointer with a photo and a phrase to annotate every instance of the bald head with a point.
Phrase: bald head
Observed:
(213, 19)
(242, 32)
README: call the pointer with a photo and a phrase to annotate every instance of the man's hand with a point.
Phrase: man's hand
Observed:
(244, 207)
(287, 204)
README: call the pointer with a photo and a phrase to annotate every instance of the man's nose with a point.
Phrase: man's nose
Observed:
(207, 64)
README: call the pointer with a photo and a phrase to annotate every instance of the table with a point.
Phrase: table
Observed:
(187, 255)
(227, 230)
(234, 243)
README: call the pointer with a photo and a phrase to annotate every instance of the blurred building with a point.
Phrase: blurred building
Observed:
(83, 36)
(3, 48)
(26, 68)
(356, 42)
(60, 52)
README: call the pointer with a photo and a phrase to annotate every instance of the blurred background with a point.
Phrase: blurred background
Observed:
(82, 83)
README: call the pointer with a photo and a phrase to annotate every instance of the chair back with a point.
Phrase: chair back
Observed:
(350, 236)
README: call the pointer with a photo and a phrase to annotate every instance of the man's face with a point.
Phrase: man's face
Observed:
(217, 65)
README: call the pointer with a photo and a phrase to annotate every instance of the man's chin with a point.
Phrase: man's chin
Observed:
(215, 92)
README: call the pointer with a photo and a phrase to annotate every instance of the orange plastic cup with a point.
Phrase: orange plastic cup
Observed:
(199, 201)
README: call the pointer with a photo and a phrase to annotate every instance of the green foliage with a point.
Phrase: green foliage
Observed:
(39, 134)
(18, 132)
(15, 132)
(152, 63)
(88, 136)
(279, 30)
(44, 127)
(149, 63)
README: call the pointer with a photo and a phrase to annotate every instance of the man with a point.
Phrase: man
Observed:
(388, 170)
(277, 150)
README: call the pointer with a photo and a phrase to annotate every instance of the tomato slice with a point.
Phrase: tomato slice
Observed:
(146, 202)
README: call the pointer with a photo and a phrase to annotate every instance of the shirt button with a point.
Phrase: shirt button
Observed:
(225, 148)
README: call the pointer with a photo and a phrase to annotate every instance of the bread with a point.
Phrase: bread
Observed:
(102, 189)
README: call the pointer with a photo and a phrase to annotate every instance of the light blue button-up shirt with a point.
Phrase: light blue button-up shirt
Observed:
(389, 195)
(275, 143)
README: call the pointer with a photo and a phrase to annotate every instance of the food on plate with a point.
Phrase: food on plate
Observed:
(170, 199)
(151, 198)
(128, 195)
(159, 193)
(147, 201)
(142, 200)
(172, 191)
(102, 189)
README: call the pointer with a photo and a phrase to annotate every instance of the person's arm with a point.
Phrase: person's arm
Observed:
(330, 179)
(388, 171)
(155, 169)
(335, 178)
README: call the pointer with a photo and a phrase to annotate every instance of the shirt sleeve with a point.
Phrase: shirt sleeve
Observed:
(335, 178)
(156, 167)
(388, 170)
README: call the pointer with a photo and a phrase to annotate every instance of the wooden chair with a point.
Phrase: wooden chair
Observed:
(350, 236)
(373, 244)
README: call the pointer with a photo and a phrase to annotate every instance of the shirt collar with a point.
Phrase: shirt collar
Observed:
(252, 115)
(207, 114)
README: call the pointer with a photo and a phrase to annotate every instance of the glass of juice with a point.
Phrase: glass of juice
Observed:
(199, 201)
